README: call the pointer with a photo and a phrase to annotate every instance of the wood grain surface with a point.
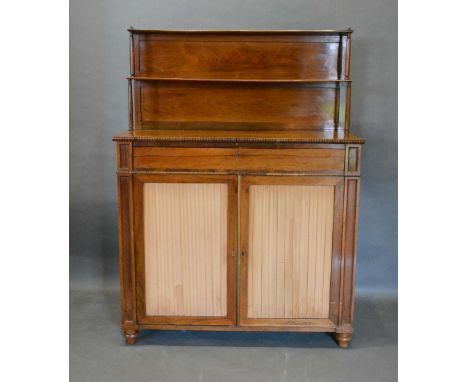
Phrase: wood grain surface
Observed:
(234, 58)
(294, 105)
(320, 160)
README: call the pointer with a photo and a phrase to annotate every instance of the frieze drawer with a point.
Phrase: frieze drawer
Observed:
(317, 160)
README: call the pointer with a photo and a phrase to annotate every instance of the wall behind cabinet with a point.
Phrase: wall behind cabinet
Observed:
(98, 110)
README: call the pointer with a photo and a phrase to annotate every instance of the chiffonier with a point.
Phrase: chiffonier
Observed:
(238, 183)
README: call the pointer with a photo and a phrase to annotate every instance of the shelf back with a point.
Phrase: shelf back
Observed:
(241, 79)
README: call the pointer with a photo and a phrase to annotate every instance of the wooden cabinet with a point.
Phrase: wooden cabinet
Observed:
(238, 183)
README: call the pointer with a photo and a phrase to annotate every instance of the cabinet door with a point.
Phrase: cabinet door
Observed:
(185, 228)
(291, 250)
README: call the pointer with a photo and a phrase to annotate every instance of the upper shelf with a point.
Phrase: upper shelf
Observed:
(279, 78)
(283, 56)
(285, 80)
(244, 31)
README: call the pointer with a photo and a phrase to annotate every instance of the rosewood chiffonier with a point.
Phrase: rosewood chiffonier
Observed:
(238, 183)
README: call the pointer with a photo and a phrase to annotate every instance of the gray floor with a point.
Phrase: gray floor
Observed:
(98, 353)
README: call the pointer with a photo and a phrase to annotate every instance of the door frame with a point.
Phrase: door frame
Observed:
(336, 256)
(138, 182)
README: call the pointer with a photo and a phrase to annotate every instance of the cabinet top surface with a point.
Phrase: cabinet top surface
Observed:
(240, 136)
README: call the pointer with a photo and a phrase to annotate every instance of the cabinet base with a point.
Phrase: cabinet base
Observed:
(131, 335)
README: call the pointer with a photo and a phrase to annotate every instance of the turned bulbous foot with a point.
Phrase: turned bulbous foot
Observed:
(343, 339)
(131, 336)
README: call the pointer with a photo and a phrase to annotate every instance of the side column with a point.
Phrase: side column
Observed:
(349, 244)
(129, 322)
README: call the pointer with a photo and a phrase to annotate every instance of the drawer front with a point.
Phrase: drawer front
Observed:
(319, 160)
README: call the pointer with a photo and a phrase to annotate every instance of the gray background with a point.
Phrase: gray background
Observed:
(99, 60)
